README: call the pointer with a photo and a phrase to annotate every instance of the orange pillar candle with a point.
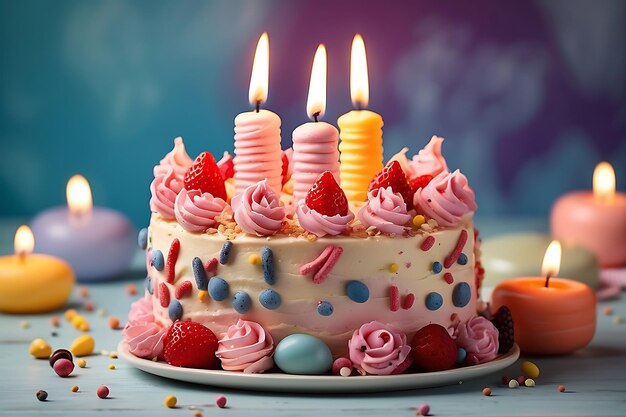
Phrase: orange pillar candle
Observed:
(551, 316)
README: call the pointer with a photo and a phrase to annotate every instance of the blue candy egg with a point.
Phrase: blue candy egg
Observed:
(148, 284)
(461, 294)
(157, 260)
(175, 310)
(462, 259)
(357, 291)
(269, 299)
(303, 354)
(437, 267)
(434, 300)
(325, 308)
(461, 354)
(142, 238)
(218, 288)
(242, 302)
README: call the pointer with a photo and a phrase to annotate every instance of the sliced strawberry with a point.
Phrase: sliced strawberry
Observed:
(393, 176)
(226, 166)
(326, 197)
(190, 345)
(433, 348)
(285, 173)
(204, 175)
(420, 182)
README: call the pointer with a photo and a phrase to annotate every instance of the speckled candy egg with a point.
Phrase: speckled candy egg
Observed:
(302, 354)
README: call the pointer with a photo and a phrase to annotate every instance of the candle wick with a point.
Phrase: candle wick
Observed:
(258, 106)
(548, 276)
(316, 115)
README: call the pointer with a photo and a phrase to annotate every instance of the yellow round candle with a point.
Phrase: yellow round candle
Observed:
(33, 283)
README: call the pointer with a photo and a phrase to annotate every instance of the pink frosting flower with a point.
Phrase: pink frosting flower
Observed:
(145, 337)
(320, 224)
(258, 210)
(385, 210)
(479, 337)
(196, 211)
(379, 349)
(247, 347)
(430, 161)
(177, 159)
(447, 198)
(164, 189)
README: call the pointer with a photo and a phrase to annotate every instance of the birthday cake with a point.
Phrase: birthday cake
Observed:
(245, 276)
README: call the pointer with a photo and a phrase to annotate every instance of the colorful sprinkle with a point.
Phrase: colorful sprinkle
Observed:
(89, 306)
(183, 290)
(199, 273)
(170, 401)
(164, 295)
(267, 261)
(521, 379)
(131, 289)
(427, 243)
(63, 367)
(607, 311)
(74, 388)
(437, 267)
(434, 301)
(220, 401)
(394, 267)
(254, 259)
(323, 264)
(324, 308)
(529, 369)
(172, 257)
(454, 255)
(142, 238)
(114, 323)
(461, 294)
(113, 355)
(211, 267)
(317, 263)
(203, 295)
(241, 302)
(423, 409)
(448, 278)
(54, 320)
(419, 220)
(270, 299)
(561, 388)
(462, 259)
(82, 363)
(41, 395)
(345, 372)
(513, 383)
(487, 391)
(103, 391)
(60, 354)
(357, 291)
(529, 382)
(339, 363)
(218, 289)
(40, 349)
(83, 345)
(225, 252)
(83, 292)
(111, 367)
(157, 260)
(175, 310)
(394, 298)
(408, 301)
(24, 324)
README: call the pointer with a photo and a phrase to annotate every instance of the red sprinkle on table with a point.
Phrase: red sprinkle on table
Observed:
(454, 255)
(164, 295)
(183, 290)
(394, 298)
(323, 272)
(408, 301)
(427, 243)
(172, 256)
(448, 277)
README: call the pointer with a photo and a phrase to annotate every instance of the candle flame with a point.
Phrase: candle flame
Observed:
(78, 195)
(552, 260)
(259, 81)
(24, 242)
(316, 101)
(604, 183)
(359, 80)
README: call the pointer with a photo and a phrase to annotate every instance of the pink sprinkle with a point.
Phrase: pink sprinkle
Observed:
(317, 263)
(408, 301)
(394, 298)
(220, 401)
(164, 295)
(448, 277)
(83, 292)
(131, 289)
(183, 290)
(323, 272)
(341, 363)
(54, 320)
(170, 264)
(211, 267)
(428, 243)
(103, 391)
(89, 306)
(454, 255)
(423, 409)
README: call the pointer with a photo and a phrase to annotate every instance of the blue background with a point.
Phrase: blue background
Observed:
(529, 95)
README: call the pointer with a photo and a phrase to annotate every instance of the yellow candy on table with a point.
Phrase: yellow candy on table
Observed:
(170, 401)
(70, 314)
(83, 345)
(82, 363)
(530, 370)
(83, 327)
(40, 349)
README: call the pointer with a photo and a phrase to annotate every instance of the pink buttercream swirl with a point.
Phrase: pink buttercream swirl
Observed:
(195, 211)
(447, 198)
(479, 337)
(177, 159)
(246, 347)
(164, 188)
(430, 161)
(379, 349)
(385, 210)
(320, 224)
(258, 210)
(145, 337)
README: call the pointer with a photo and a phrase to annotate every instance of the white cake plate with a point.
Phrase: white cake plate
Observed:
(318, 384)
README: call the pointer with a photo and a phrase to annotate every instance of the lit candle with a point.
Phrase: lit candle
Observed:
(32, 283)
(361, 132)
(257, 133)
(314, 143)
(98, 242)
(596, 221)
(551, 316)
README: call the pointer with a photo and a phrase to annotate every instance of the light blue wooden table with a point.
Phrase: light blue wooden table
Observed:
(595, 377)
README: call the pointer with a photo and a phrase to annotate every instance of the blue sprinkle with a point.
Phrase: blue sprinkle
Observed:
(325, 308)
(461, 354)
(218, 288)
(175, 310)
(142, 238)
(357, 291)
(434, 301)
(242, 302)
(270, 299)
(462, 260)
(148, 284)
(267, 262)
(437, 267)
(157, 261)
(461, 294)
(225, 252)
(199, 273)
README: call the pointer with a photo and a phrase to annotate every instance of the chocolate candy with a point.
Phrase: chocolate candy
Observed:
(60, 354)
(42, 395)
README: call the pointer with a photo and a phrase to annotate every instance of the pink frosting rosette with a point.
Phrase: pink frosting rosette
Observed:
(429, 161)
(320, 224)
(385, 210)
(379, 349)
(246, 347)
(165, 189)
(258, 210)
(479, 337)
(145, 337)
(195, 211)
(177, 159)
(447, 198)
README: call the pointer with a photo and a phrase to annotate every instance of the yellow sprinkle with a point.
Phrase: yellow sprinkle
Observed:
(69, 314)
(203, 295)
(254, 259)
(111, 367)
(24, 324)
(170, 401)
(83, 345)
(40, 349)
(419, 220)
(113, 355)
(74, 388)
(82, 363)
(83, 327)
(618, 320)
(394, 267)
(529, 370)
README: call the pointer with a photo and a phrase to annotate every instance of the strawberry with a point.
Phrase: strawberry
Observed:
(393, 176)
(204, 175)
(326, 197)
(420, 182)
(226, 166)
(285, 171)
(503, 320)
(433, 348)
(190, 345)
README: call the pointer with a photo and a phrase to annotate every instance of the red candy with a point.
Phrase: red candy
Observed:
(103, 391)
(131, 289)
(408, 301)
(183, 290)
(63, 367)
(326, 197)
(164, 295)
(170, 264)
(341, 363)
(454, 255)
(191, 345)
(393, 176)
(448, 278)
(220, 401)
(394, 298)
(205, 175)
(427, 243)
(433, 348)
